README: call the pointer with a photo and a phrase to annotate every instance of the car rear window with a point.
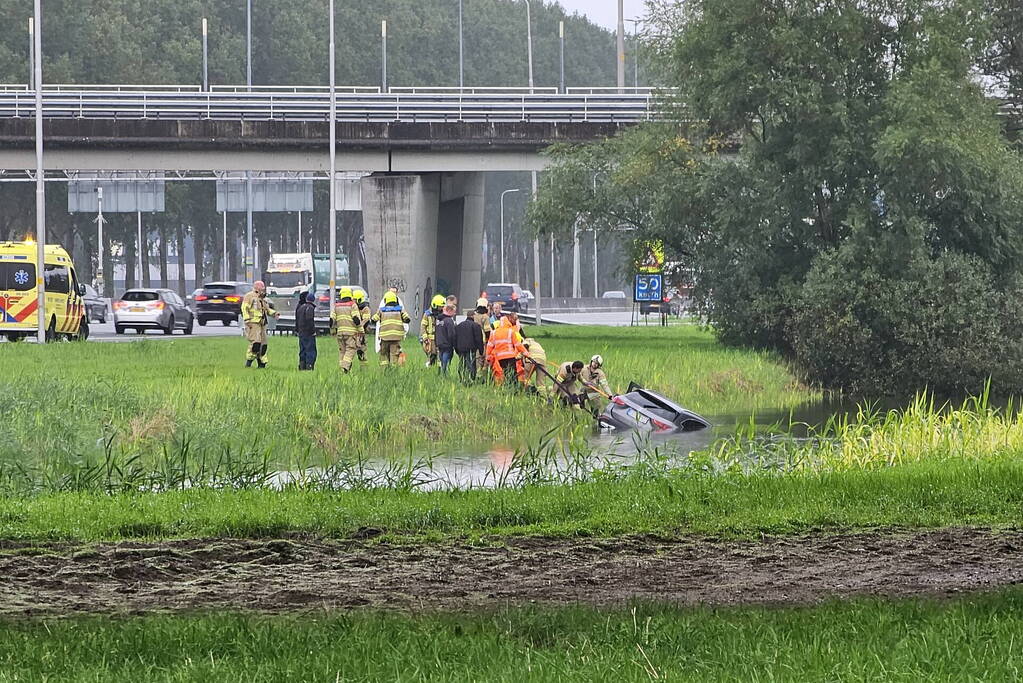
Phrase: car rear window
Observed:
(140, 296)
(499, 291)
(220, 289)
(17, 276)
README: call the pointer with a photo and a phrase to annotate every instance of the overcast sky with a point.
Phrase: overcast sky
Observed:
(605, 12)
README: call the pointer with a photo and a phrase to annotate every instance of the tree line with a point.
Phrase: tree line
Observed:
(840, 180)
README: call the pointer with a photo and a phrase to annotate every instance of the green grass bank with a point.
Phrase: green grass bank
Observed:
(69, 403)
(932, 494)
(970, 639)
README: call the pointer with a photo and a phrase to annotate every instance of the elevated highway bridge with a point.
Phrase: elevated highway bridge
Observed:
(425, 150)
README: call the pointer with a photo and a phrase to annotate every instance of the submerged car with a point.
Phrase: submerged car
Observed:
(645, 410)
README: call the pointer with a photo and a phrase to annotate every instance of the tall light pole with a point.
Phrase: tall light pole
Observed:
(529, 46)
(461, 50)
(100, 279)
(249, 253)
(502, 229)
(332, 213)
(383, 55)
(138, 254)
(552, 265)
(31, 52)
(205, 58)
(576, 289)
(536, 240)
(223, 263)
(561, 39)
(621, 46)
(37, 63)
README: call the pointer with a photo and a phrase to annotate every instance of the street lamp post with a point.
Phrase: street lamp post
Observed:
(205, 59)
(138, 254)
(383, 55)
(249, 260)
(223, 263)
(635, 44)
(37, 69)
(621, 46)
(529, 46)
(31, 52)
(561, 39)
(576, 293)
(502, 229)
(461, 50)
(332, 213)
(99, 222)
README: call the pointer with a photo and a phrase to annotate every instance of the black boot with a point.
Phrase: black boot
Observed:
(248, 363)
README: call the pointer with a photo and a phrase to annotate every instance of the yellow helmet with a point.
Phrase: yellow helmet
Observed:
(481, 303)
(438, 301)
(345, 293)
(390, 298)
(359, 296)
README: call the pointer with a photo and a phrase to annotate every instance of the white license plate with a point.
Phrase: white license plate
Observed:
(637, 416)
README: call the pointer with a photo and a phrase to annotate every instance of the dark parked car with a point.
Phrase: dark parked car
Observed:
(95, 305)
(220, 301)
(509, 294)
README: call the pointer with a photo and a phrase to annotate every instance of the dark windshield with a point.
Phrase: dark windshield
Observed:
(16, 276)
(294, 279)
(501, 290)
(140, 296)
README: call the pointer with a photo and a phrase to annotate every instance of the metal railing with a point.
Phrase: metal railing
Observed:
(313, 104)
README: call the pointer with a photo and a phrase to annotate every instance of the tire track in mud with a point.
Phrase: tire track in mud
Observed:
(292, 575)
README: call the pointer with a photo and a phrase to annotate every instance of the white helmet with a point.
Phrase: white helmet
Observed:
(598, 360)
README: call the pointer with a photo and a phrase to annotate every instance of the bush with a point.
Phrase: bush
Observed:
(938, 322)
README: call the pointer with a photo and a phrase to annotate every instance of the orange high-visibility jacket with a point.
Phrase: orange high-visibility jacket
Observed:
(504, 343)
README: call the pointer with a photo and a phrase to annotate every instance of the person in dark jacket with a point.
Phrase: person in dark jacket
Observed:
(305, 328)
(469, 346)
(446, 337)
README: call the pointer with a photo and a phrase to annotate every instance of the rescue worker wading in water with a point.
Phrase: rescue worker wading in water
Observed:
(345, 323)
(256, 313)
(391, 320)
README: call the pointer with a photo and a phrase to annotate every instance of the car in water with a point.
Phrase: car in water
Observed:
(509, 295)
(643, 410)
(220, 301)
(95, 305)
(152, 309)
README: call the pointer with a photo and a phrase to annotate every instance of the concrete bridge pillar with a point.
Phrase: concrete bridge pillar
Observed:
(423, 235)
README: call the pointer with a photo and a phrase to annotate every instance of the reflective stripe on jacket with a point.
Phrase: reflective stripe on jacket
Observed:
(254, 308)
(428, 326)
(505, 343)
(391, 323)
(346, 319)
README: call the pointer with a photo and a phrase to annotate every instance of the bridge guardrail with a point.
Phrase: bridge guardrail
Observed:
(315, 106)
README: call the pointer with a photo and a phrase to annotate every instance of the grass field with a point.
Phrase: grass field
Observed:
(149, 404)
(931, 494)
(970, 639)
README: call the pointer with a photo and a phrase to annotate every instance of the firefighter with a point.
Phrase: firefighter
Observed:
(365, 315)
(594, 379)
(256, 314)
(345, 322)
(537, 357)
(503, 351)
(428, 329)
(482, 317)
(391, 320)
(567, 379)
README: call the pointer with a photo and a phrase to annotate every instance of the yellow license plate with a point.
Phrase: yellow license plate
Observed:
(137, 309)
(216, 301)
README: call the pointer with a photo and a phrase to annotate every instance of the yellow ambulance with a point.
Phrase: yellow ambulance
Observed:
(65, 314)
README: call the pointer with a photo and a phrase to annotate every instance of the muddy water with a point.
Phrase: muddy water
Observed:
(503, 464)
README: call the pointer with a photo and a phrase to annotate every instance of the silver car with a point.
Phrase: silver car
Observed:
(158, 309)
